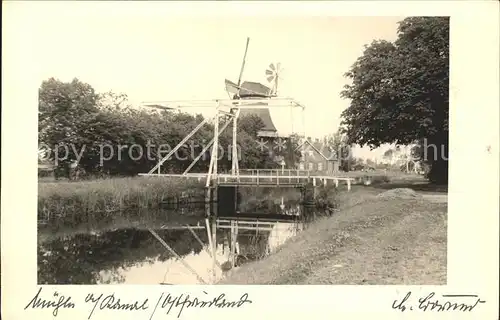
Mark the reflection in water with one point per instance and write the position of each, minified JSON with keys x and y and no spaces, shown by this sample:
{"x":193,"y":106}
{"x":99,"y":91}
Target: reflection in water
{"x":79,"y":259}
{"x":132,"y":256}
{"x":120,"y":249}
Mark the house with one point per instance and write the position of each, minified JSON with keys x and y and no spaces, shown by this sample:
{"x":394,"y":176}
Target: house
{"x":317,"y":157}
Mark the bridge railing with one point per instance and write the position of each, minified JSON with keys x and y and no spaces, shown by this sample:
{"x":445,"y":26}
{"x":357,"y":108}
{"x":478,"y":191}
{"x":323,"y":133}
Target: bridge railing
{"x":271,"y":178}
{"x":275,"y":172}
{"x":275,"y":178}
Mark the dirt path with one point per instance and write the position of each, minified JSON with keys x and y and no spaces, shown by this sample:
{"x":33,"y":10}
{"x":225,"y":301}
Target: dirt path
{"x":370,"y":241}
{"x":408,"y":248}
{"x":438,"y":197}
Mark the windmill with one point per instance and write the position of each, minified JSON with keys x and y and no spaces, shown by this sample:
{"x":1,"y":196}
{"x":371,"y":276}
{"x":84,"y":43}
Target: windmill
{"x":246,"y":89}
{"x":273,"y":73}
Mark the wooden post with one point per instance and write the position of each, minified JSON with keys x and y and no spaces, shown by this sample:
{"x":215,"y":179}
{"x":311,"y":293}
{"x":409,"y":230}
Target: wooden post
{"x":348,"y":184}
{"x":216,"y":141}
{"x":214,"y":248}
{"x":236,"y":245}
{"x":233,"y":244}
{"x":209,"y":234}
{"x":234,"y":164}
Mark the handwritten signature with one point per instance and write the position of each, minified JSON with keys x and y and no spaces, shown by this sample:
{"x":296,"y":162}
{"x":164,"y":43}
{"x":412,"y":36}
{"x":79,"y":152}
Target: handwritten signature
{"x":61,"y":302}
{"x":112,"y":302}
{"x":451,"y":302}
{"x":185,"y":301}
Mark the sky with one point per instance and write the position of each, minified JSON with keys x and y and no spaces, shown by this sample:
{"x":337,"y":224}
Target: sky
{"x":162,"y":57}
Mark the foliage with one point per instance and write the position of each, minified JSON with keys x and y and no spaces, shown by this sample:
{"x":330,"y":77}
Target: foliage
{"x":109,"y":137}
{"x":399,"y":91}
{"x":250,"y":156}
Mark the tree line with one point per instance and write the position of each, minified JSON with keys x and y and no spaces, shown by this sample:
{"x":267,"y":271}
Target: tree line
{"x":97,"y":126}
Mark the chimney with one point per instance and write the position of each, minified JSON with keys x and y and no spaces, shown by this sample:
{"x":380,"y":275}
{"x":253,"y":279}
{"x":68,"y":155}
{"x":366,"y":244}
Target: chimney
{"x":316,"y":140}
{"x":309,"y":139}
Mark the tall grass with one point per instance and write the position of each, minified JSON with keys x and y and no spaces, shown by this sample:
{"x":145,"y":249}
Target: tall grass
{"x":109,"y":203}
{"x":101,"y":198}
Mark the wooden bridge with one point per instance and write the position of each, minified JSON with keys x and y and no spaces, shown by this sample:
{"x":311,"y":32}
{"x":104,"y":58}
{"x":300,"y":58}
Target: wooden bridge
{"x":267,"y":178}
{"x":231,"y":218}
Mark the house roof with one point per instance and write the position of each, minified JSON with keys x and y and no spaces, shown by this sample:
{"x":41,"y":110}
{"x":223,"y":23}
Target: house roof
{"x":320,"y":148}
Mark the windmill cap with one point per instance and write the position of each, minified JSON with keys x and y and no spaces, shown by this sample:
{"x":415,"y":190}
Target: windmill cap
{"x":249,"y":88}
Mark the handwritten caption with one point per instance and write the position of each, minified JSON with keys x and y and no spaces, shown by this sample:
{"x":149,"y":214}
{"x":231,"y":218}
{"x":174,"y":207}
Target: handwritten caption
{"x":166,"y":302}
{"x":431,"y":302}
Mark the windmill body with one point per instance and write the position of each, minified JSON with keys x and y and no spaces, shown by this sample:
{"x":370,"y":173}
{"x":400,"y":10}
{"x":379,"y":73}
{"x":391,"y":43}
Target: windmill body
{"x":255,"y":90}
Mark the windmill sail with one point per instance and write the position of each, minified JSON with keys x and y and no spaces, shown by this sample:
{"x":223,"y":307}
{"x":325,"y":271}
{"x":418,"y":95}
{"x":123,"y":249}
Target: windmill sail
{"x":232,"y":87}
{"x":272,"y":76}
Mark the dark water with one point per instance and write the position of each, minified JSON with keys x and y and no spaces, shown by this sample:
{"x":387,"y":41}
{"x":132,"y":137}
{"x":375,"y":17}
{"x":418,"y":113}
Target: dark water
{"x":119,"y":253}
{"x":79,"y":259}
{"x":117,"y":247}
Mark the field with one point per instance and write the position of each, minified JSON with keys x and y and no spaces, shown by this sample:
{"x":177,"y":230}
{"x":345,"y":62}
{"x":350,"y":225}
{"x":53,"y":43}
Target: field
{"x":370,"y":240}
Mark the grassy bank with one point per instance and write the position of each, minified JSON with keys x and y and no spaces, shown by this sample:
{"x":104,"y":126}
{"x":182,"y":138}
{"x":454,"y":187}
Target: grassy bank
{"x":100,"y":198}
{"x":378,"y":177}
{"x":371,"y":240}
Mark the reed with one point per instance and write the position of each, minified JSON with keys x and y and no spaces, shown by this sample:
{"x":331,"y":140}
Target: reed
{"x":93,"y":204}
{"x":100,"y":198}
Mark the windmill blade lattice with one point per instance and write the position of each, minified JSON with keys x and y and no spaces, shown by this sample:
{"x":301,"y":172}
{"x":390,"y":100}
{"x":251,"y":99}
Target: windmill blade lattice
{"x":273,"y":74}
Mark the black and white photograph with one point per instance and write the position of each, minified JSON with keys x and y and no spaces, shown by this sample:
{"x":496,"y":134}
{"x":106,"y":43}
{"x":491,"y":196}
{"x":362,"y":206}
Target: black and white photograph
{"x":244,"y":150}
{"x":214,"y":159}
{"x":237,"y":159}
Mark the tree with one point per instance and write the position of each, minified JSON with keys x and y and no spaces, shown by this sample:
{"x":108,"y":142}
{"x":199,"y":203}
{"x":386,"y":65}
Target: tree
{"x":65,"y":108}
{"x":399,"y":92}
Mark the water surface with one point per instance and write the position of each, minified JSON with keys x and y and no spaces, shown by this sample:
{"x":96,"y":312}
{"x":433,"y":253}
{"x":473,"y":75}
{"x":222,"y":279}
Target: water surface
{"x":121,"y":250}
